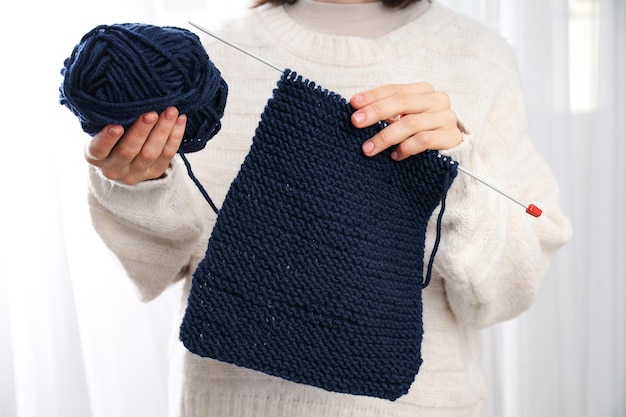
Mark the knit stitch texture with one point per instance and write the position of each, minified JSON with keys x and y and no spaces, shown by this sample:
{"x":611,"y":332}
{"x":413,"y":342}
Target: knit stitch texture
{"x":313,"y":272}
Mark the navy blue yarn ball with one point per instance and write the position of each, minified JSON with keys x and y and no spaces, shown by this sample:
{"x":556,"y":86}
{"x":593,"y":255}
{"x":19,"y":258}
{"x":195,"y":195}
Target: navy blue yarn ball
{"x":118,"y":72}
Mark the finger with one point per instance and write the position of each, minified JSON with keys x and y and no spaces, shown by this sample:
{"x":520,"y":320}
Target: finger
{"x":152,"y":148}
{"x":427,"y":139}
{"x":170,"y":149}
{"x":134,"y":138}
{"x":407,"y":127}
{"x":362,"y":99}
{"x":388,"y":108}
{"x":101,"y":145}
{"x":395,"y":118}
{"x":175,"y":138}
{"x":117,"y":164}
{"x":158,"y":149}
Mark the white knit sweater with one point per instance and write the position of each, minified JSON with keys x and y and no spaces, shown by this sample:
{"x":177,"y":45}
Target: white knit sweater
{"x":492,"y":258}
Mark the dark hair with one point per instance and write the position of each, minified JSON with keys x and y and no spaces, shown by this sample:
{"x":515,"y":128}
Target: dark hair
{"x":389,"y":3}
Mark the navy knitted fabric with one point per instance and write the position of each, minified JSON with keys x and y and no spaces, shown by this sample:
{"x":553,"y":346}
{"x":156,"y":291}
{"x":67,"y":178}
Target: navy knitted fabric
{"x":118,"y":72}
{"x":314,"y":269}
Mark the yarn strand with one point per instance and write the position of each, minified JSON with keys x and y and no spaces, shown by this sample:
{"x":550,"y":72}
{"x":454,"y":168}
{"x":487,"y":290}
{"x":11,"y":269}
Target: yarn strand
{"x":198,"y":183}
{"x":448,"y":182}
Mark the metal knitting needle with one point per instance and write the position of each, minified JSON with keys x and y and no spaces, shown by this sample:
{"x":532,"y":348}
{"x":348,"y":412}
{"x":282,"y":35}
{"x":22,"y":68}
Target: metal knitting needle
{"x":530,"y":208}
{"x":237,"y":47}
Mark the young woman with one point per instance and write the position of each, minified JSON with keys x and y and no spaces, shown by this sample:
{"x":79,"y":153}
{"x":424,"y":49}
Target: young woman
{"x":443,"y":82}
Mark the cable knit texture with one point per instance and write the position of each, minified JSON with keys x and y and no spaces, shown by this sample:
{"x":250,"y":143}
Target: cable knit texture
{"x":492,"y":258}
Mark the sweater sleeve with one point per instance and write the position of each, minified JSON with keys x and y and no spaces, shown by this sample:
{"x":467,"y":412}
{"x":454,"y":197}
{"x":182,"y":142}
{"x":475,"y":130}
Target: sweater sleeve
{"x":154,"y":228}
{"x":493,"y":257}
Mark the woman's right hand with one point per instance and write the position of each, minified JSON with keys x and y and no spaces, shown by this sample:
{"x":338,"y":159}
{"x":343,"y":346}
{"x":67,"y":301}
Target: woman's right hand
{"x":143,"y":152}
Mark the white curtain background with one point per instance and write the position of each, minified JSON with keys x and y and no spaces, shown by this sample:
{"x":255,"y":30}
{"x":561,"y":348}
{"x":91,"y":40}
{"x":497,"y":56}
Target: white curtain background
{"x":76,"y":342}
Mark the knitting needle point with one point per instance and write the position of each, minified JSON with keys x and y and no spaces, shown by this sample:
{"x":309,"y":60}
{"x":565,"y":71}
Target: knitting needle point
{"x":531,"y":209}
{"x":208,"y":32}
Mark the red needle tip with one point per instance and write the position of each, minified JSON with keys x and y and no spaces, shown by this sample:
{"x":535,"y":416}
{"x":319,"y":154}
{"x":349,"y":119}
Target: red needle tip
{"x":533,"y":210}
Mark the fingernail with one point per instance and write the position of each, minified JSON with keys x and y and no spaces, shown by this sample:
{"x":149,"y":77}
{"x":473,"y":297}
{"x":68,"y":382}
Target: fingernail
{"x":181,"y":119}
{"x":358,"y":98}
{"x":114,"y":131}
{"x":170,"y":114}
{"x":368,"y":147}
{"x":394,"y":155}
{"x":359,"y":117}
{"x":149,"y":118}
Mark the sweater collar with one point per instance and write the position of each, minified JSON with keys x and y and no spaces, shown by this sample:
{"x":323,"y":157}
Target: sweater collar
{"x":365,"y":20}
{"x":282,"y":31}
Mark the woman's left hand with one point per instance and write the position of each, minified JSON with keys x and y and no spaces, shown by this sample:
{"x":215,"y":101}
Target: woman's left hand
{"x":419,"y":117}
